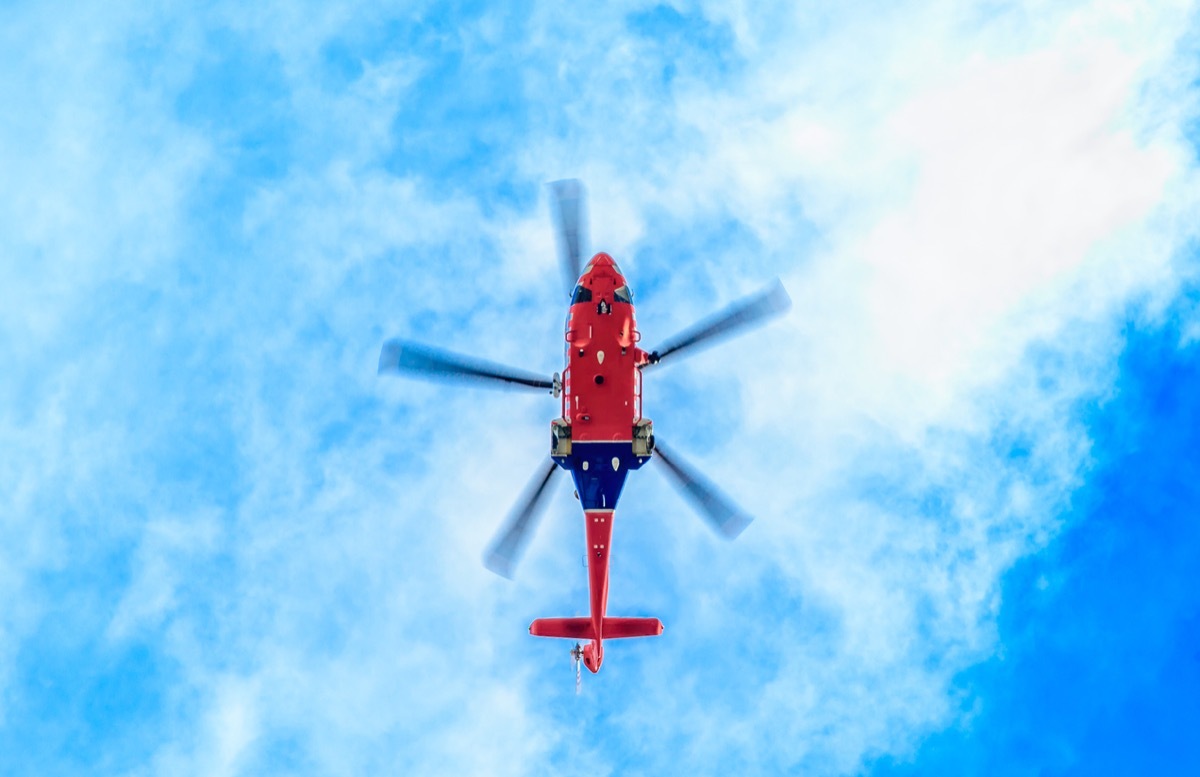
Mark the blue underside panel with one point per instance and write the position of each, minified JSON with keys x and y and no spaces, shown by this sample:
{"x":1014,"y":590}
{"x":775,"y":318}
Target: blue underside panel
{"x":599,"y":469}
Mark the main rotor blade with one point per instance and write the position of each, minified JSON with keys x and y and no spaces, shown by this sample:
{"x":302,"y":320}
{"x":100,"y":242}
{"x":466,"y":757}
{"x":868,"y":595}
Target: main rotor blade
{"x":570,"y":225}
{"x":402,"y":356}
{"x":716,"y":508}
{"x":741,"y":315}
{"x":509,"y":543}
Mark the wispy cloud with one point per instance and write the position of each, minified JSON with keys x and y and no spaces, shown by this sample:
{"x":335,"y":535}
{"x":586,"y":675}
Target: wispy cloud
{"x":223,"y":214}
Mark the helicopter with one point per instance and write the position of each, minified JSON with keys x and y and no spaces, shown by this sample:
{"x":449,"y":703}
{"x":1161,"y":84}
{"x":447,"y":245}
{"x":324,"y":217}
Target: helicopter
{"x":600,"y":435}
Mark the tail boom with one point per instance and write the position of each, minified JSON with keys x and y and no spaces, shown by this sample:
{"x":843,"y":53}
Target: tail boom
{"x":597,"y":626}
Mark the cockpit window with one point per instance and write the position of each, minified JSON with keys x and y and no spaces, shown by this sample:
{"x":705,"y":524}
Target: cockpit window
{"x":581,"y":295}
{"x":623,"y":294}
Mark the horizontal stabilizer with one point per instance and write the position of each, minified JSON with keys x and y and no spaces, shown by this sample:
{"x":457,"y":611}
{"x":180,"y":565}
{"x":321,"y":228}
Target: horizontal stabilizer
{"x":570,"y":628}
{"x":581,"y":628}
{"x":615,"y":628}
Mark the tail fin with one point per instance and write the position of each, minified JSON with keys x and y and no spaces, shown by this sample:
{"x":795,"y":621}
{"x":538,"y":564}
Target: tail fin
{"x":581,"y":628}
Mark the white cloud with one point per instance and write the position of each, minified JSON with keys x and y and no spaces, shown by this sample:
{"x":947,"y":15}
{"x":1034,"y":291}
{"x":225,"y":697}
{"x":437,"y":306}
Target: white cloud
{"x":962,"y":205}
{"x":987,"y":207}
{"x":167,"y":555}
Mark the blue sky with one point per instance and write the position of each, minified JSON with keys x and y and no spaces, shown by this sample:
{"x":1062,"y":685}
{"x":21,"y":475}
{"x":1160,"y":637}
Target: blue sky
{"x":227,"y":547}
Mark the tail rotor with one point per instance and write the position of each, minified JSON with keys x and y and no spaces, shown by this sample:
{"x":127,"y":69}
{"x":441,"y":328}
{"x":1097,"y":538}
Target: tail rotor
{"x":577,"y":658}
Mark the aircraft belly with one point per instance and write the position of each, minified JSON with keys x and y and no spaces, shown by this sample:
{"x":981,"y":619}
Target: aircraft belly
{"x":599,"y":470}
{"x":603,"y":380}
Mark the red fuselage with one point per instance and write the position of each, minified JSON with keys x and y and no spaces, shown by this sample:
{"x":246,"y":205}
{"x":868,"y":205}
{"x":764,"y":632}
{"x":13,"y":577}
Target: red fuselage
{"x":600,"y":438}
{"x":602,"y":383}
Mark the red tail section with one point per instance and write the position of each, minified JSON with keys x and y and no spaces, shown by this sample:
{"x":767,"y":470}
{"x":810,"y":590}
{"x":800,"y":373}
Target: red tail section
{"x":596,"y":628}
{"x":581,"y":628}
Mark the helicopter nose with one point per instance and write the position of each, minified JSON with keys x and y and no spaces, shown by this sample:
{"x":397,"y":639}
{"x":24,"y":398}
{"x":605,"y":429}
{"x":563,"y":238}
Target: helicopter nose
{"x":603,"y":260}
